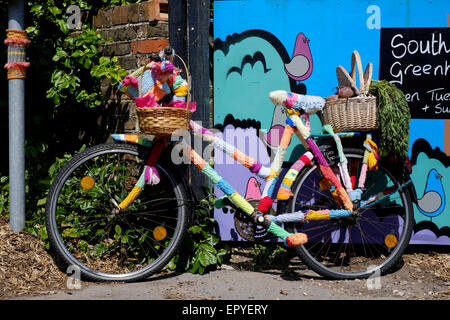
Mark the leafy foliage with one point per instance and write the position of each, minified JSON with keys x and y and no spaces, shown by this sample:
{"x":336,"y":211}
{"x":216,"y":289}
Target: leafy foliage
{"x":63,"y":90}
{"x":393,"y":116}
{"x":77,"y":66}
{"x":201,"y":250}
{"x":77,"y":58}
{"x":271,"y":256}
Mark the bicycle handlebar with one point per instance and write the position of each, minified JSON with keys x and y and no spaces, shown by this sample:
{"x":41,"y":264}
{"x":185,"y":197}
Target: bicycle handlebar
{"x":300,"y":103}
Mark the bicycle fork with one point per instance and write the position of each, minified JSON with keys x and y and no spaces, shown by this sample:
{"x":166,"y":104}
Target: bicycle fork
{"x":149,"y":171}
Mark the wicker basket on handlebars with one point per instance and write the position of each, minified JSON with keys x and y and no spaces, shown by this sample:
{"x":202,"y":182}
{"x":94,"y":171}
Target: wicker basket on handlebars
{"x":164,"y":121}
{"x":358,"y":113}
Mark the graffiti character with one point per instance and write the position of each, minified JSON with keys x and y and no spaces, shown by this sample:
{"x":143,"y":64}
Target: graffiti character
{"x":253,"y":190}
{"x":432,"y":202}
{"x":273,"y":137}
{"x":301,"y":65}
{"x":299,"y":68}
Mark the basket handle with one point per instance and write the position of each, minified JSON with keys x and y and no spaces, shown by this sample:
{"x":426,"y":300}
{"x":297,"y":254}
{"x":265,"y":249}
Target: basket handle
{"x":364,"y":78}
{"x":146,"y":67}
{"x":188,"y":79}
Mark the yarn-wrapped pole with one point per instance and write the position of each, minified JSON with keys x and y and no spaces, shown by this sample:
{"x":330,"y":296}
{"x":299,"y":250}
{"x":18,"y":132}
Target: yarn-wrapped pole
{"x":16,"y":66}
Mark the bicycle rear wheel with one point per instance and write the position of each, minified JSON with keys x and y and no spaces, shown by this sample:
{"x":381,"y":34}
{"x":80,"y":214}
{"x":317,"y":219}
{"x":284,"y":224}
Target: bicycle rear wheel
{"x":367,"y":243}
{"x":88,"y":231}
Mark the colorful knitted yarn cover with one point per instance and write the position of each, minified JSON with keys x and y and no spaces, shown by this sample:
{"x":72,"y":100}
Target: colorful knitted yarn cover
{"x":16,"y":41}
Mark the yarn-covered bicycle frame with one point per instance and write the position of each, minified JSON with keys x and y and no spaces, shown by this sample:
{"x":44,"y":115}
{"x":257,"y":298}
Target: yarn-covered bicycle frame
{"x":344,"y":194}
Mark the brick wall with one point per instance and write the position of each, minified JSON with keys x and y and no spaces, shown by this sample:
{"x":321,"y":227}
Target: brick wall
{"x":135,"y":31}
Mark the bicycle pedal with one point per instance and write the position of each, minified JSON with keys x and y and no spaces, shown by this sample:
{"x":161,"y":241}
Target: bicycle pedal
{"x":296,"y":239}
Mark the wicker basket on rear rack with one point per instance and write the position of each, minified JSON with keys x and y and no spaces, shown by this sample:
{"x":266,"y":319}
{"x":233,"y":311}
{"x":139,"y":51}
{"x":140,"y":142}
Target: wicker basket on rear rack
{"x":164,"y":121}
{"x":358,"y":113}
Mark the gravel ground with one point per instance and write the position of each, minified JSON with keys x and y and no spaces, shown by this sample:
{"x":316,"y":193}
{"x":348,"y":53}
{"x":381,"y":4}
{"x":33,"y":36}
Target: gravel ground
{"x":27,"y":271}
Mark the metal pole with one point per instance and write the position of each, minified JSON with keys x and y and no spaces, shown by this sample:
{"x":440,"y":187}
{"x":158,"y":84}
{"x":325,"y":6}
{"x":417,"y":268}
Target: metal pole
{"x":16,"y":91}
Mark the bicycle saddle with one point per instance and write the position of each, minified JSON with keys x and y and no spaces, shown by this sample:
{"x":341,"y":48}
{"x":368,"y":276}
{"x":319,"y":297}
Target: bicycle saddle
{"x":299,"y":102}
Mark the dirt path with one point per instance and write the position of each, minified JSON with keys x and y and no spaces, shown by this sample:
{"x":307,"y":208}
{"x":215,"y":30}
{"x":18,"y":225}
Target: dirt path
{"x":419,"y":278}
{"x":27,"y":271}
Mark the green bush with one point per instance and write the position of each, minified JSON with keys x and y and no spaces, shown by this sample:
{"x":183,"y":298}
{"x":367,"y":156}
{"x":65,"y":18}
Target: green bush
{"x":63,"y":85}
{"x":201,"y":250}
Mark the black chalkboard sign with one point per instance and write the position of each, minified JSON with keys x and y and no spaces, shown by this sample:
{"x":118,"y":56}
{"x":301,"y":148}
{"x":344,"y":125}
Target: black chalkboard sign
{"x":417,"y":60}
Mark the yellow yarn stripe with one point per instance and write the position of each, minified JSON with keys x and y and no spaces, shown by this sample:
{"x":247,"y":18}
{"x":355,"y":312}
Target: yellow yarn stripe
{"x":366,"y":157}
{"x":242,"y":203}
{"x":181,"y":91}
{"x":292,"y":112}
{"x":130,"y":198}
{"x":287,"y":181}
{"x":17,"y":74}
{"x":273,"y":174}
{"x":317,"y":215}
{"x":17,"y":34}
{"x":21,"y":53}
{"x":284,"y":193}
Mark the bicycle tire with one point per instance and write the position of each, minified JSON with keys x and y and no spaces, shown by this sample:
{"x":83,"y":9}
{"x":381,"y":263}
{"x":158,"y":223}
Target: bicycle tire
{"x":99,"y":257}
{"x":321,"y":262}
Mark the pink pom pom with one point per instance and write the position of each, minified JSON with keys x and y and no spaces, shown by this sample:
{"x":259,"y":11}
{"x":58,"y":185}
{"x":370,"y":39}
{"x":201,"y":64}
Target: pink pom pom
{"x":168,"y":68}
{"x":291,"y":100}
{"x":134,"y":82}
{"x":126,"y":82}
{"x":255,"y":167}
{"x":152,"y":176}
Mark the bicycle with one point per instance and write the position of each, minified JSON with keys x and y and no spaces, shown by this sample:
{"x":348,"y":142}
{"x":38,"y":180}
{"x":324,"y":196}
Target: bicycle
{"x":119,"y":211}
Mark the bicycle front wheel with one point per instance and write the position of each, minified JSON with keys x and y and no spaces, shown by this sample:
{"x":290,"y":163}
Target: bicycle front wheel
{"x":367,"y":243}
{"x":87,"y":229}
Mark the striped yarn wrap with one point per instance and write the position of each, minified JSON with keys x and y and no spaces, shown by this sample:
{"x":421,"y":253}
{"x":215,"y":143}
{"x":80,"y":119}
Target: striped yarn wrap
{"x":343,"y":169}
{"x":317,"y":215}
{"x":16,"y":64}
{"x":132,"y":138}
{"x":284,"y":192}
{"x":363,"y":174}
{"x":250,"y":163}
{"x":135,"y":192}
{"x":282,"y":149}
{"x":300,"y":216}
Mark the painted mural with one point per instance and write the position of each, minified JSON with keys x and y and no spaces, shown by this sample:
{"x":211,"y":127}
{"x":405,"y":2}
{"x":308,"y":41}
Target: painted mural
{"x":296,"y":45}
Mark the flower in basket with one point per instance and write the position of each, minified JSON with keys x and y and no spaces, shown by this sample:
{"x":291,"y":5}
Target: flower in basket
{"x":178,"y":86}
{"x":130,"y":81}
{"x":161,"y":70}
{"x":147,"y":101}
{"x":167,"y":67}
